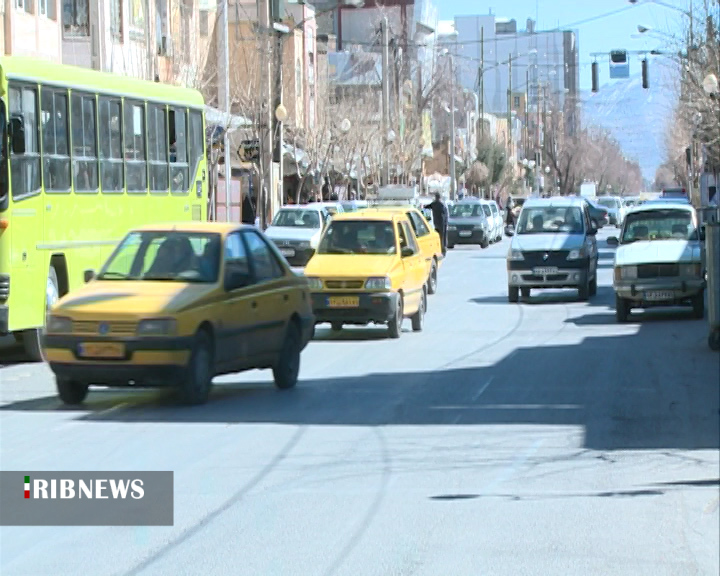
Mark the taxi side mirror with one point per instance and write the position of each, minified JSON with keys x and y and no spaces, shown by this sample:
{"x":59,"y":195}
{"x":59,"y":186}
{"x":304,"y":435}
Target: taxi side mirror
{"x":407,"y":251}
{"x":88,"y":275}
{"x":235,"y":279}
{"x":702,"y":233}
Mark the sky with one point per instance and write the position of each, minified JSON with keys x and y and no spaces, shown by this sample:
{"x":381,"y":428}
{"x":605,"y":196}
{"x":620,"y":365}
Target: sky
{"x":616,"y":31}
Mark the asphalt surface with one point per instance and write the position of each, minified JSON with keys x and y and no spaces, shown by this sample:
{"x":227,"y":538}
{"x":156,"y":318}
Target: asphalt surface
{"x":540,"y":438}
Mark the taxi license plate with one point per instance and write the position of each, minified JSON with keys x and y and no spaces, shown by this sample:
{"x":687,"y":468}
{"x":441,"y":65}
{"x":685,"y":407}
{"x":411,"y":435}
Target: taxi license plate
{"x":344,"y":302}
{"x":659,"y":295}
{"x":287,"y":252}
{"x":544,"y":271}
{"x":465,"y":233}
{"x":102,"y":350}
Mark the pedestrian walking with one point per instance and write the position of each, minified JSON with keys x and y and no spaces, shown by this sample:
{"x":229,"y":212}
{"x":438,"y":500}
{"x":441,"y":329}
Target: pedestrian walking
{"x":440,"y":219}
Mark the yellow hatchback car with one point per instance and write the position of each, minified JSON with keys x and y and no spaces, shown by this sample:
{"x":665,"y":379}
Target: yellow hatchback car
{"x":368,"y":268}
{"x":427,"y":238}
{"x":176,"y":305}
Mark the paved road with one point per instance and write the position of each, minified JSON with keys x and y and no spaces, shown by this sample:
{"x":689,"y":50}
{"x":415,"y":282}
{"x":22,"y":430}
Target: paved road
{"x":539,"y":438}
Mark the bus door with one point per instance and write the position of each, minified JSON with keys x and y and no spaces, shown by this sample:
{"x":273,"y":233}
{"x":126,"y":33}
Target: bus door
{"x":28,"y":277}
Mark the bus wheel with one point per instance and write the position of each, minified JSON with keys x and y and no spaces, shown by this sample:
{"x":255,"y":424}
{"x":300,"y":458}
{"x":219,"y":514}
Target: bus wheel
{"x":32,"y":339}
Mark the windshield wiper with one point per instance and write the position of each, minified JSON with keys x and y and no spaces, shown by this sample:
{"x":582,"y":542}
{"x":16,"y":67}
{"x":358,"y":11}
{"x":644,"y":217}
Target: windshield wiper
{"x":337,"y":251}
{"x":160,"y":277}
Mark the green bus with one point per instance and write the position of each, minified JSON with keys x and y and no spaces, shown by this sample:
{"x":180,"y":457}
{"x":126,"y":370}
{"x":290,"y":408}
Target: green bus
{"x":85,"y":156}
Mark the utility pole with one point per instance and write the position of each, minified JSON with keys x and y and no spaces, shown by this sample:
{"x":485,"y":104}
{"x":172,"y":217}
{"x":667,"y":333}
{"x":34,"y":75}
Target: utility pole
{"x":453,"y":182}
{"x":509,"y":101}
{"x":223,"y":66}
{"x":148,"y":42}
{"x":538,"y":155}
{"x":265,"y":113}
{"x":385,"y":33}
{"x":482,"y":83}
{"x":526,"y":142}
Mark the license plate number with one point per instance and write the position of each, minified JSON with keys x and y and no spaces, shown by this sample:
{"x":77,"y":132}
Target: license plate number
{"x":344,"y":302}
{"x":465,"y":233}
{"x":102,"y":350}
{"x":545,"y":271}
{"x":659,"y":295}
{"x":287,"y":251}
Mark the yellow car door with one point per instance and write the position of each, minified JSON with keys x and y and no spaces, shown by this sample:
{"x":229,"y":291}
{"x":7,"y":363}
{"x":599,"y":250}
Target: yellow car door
{"x":234,"y":316}
{"x":414,"y":266}
{"x":429,"y":242}
{"x":271,"y":301}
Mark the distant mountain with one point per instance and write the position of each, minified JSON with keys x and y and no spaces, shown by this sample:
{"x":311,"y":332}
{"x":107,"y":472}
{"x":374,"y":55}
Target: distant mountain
{"x":634,"y":116}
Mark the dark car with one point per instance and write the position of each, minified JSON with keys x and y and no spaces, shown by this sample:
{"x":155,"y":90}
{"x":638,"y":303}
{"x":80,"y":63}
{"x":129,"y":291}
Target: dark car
{"x":468,"y":224}
{"x":598,"y":214}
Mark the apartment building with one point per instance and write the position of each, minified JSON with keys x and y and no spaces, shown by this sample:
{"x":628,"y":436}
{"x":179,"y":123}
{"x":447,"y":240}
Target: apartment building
{"x":32,"y":28}
{"x":165,"y":40}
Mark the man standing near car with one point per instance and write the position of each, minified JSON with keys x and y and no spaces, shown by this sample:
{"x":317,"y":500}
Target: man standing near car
{"x":440,"y":219}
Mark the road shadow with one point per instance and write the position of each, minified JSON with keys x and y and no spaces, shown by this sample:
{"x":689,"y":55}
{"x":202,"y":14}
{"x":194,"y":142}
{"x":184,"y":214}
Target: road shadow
{"x":649,"y":316}
{"x":13,"y":353}
{"x":323,"y":333}
{"x":625,"y":392}
{"x":545,"y":297}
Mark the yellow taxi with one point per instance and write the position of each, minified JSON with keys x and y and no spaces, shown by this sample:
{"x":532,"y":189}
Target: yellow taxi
{"x":369,"y":268}
{"x":427,"y":238}
{"x":176,"y":305}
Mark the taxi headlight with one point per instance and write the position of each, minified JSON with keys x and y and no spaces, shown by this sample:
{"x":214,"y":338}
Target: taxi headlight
{"x":382,"y":283}
{"x":515,"y":255}
{"x":58,"y":325}
{"x":157,"y":327}
{"x":315,"y":283}
{"x":577,"y":254}
{"x":303,"y":245}
{"x":451,"y":227}
{"x":626,"y":273}
{"x":694,"y":270}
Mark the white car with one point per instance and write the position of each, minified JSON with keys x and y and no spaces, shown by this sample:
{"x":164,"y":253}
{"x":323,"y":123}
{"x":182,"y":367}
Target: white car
{"x":296,"y":231}
{"x":496,"y":220}
{"x":615,"y":207}
{"x":659,"y":259}
{"x":332,"y":208}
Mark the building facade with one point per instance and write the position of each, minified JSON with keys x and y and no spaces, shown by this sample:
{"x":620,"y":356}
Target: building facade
{"x":32,"y":28}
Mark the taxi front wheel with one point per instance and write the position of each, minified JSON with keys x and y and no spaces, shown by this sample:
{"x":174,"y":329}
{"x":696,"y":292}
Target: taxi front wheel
{"x":196,"y":385}
{"x":71,"y":392}
{"x":395,"y":324}
{"x":287,"y":366}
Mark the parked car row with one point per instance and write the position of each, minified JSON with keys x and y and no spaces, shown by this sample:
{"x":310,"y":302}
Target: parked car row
{"x":474,"y":221}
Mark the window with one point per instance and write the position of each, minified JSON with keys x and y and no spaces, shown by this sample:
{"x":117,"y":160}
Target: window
{"x":27,"y":5}
{"x":135,"y":159}
{"x":235,"y":258}
{"x":196,"y":138}
{"x":516,"y":101}
{"x":116,"y":19}
{"x":203,"y":23}
{"x":84,"y":143}
{"x":407,"y":238}
{"x":418,"y":225}
{"x":137,"y":16}
{"x":111,"y":155}
{"x":179,"y":178}
{"x":76,"y":21}
{"x":55,"y":140}
{"x":265,"y":264}
{"x":158,"y":148}
{"x":47,"y":9}
{"x":25,"y":168}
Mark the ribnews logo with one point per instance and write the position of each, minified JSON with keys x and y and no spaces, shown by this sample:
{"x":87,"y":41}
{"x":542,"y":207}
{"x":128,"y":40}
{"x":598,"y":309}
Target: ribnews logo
{"x":86,"y":498}
{"x":66,"y":488}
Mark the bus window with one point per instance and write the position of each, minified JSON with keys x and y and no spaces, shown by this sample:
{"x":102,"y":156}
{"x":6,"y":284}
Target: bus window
{"x":84,"y":143}
{"x":111,"y":158}
{"x":158,"y":148}
{"x":196,"y":140}
{"x":135,"y":159}
{"x":178,"y":150}
{"x":25,"y":168}
{"x":55,"y":140}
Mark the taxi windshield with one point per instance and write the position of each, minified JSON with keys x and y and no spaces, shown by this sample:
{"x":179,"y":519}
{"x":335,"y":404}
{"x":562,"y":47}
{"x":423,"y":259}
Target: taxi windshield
{"x":550,"y":220}
{"x":469,"y":210}
{"x":165,"y":256}
{"x":668,"y":224}
{"x":359,"y":237}
{"x":297,"y":219}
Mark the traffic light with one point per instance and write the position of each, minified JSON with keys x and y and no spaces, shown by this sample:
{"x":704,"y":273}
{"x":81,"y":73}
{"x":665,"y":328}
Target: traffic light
{"x":645,"y":82}
{"x":595,"y":77}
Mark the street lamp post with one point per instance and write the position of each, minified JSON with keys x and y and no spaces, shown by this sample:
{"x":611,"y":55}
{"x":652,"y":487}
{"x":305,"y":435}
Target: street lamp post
{"x":453,"y":176}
